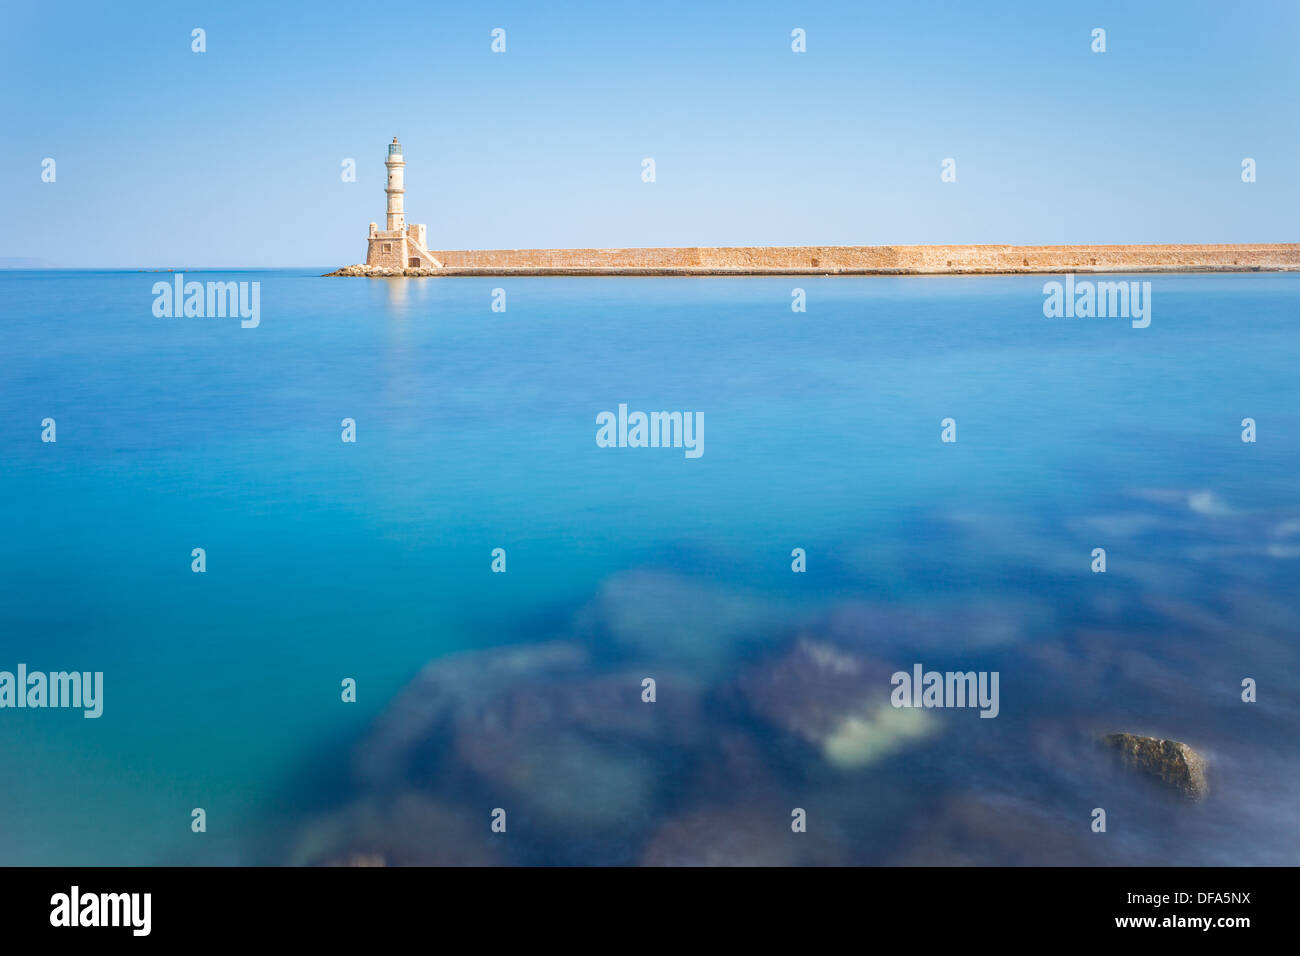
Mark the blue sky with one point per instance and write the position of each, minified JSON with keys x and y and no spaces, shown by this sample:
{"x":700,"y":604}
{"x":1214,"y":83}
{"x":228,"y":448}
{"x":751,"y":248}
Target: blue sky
{"x":168,"y":158}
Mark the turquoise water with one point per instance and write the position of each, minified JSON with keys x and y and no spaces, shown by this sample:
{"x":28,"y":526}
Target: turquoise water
{"x":476,"y":430}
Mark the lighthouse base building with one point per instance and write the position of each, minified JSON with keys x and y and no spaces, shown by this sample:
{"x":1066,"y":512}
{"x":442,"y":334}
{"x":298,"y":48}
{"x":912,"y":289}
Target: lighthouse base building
{"x":399,"y":246}
{"x":394,"y":249}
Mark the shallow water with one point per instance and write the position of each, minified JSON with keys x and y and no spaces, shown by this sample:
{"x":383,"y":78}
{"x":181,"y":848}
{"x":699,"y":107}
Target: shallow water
{"x":476,"y":430}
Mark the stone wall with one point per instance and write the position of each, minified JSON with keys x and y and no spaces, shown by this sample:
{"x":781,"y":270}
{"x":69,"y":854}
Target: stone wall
{"x":393,"y":258}
{"x":834,"y":260}
{"x":402,"y":248}
{"x":921,"y":260}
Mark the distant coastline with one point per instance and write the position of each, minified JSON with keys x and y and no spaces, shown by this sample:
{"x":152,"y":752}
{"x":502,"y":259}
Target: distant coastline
{"x":849,"y":260}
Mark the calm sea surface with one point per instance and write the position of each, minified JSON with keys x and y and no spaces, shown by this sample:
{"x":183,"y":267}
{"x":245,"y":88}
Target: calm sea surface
{"x":476,"y":430}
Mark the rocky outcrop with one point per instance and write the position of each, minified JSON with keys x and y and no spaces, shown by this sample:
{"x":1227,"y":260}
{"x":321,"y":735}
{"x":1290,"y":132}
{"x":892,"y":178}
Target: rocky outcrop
{"x":1171,"y":762}
{"x":384,"y":272}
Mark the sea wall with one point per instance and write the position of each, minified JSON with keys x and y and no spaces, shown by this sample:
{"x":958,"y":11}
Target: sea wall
{"x":862,"y":260}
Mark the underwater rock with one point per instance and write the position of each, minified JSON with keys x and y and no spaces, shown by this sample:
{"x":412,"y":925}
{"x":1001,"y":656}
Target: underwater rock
{"x":574,"y":783}
{"x":610,"y":706}
{"x":669,"y":619}
{"x":528,"y":727}
{"x":730,"y":836}
{"x":733,"y":760}
{"x":358,"y":859}
{"x":721,"y":836}
{"x":584,"y":753}
{"x":442,"y":690}
{"x":1172,"y":762}
{"x":995,"y":830}
{"x":835,"y":701}
{"x":404,"y":829}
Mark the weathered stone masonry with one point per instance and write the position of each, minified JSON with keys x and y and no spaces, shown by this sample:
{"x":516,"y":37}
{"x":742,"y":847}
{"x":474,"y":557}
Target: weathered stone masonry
{"x":850,"y":260}
{"x":874,"y":260}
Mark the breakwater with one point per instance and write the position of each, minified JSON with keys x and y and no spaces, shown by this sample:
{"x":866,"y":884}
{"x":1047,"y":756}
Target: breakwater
{"x":853,"y":260}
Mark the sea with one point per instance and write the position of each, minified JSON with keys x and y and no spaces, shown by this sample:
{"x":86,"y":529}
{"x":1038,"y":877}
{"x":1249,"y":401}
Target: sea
{"x":476,"y":634}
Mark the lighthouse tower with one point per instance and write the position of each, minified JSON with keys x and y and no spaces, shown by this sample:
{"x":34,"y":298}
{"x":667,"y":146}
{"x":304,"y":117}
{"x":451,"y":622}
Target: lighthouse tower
{"x":396,"y":187}
{"x":398,"y":246}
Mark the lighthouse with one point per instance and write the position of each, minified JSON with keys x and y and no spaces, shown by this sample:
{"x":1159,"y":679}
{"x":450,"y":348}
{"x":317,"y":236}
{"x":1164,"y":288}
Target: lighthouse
{"x":396,"y":187}
{"x":397,"y":245}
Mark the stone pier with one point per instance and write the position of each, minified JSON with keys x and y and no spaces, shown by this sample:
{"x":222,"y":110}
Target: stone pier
{"x":846,"y":260}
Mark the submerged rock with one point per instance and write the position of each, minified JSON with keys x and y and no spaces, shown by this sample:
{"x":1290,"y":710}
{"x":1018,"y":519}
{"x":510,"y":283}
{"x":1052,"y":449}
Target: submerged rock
{"x":665,"y":619}
{"x":574,"y":783}
{"x":835,"y":701}
{"x":447,"y":688}
{"x":405,"y":829}
{"x":359,"y":859}
{"x":725,"y":836}
{"x":1172,"y":762}
{"x":530,"y":728}
{"x":584,"y":753}
{"x":989,"y":829}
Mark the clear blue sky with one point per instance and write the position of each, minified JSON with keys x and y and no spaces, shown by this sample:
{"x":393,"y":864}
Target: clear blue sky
{"x":232,"y":157}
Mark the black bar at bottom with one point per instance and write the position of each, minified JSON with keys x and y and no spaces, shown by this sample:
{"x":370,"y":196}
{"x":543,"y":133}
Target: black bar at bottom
{"x":335,"y":905}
